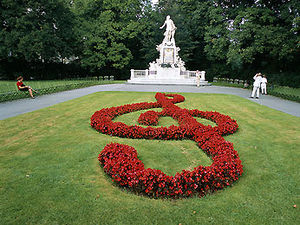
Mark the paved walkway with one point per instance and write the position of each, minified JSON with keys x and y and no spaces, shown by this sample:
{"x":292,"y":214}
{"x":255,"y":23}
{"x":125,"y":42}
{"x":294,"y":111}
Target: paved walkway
{"x":17,"y":107}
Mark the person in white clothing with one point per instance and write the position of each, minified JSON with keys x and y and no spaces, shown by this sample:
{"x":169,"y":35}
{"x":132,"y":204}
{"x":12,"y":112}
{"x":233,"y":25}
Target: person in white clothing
{"x":263,"y":85}
{"x":198,"y":78}
{"x":256,"y":85}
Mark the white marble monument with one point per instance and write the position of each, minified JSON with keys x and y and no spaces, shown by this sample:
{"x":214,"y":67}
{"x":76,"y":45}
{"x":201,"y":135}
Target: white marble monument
{"x":169,"y":67}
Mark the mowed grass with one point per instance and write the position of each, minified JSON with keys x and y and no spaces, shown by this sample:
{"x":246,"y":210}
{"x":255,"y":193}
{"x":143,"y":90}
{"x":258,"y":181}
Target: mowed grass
{"x":50,"y":173}
{"x":10,"y":86}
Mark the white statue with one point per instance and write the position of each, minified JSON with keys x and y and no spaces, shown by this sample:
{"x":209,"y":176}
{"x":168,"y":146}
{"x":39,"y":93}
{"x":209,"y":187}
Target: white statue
{"x":181,"y":64}
{"x":168,"y":68}
{"x":158,"y":47}
{"x":153,"y":66}
{"x":202,"y":76}
{"x":170,"y":29}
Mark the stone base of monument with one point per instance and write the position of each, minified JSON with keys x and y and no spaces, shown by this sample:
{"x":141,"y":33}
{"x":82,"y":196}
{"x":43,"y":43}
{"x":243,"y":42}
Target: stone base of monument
{"x":166,"y":82}
{"x":175,"y":83}
{"x":190,"y":82}
{"x":165,"y":76}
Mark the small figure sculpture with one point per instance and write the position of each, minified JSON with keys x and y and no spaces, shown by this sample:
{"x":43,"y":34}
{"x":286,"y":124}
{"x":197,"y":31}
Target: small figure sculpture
{"x":170,"y":29}
{"x":152,"y":66}
{"x":202,"y":76}
{"x":158,"y":47}
{"x":181,"y":64}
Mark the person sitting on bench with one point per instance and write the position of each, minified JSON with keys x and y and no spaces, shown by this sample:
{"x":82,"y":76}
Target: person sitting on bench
{"x":23,"y":87}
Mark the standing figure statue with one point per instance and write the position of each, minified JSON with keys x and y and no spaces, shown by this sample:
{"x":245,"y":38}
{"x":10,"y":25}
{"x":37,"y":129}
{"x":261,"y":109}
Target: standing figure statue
{"x":170,"y":29}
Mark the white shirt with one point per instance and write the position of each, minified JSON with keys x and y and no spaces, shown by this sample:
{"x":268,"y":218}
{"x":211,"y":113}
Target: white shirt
{"x":264,"y":80}
{"x":257,"y":81}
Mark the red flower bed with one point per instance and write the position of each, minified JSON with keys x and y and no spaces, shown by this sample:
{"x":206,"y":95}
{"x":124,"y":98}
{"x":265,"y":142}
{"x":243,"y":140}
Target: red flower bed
{"x":122,"y":164}
{"x":149,"y":118}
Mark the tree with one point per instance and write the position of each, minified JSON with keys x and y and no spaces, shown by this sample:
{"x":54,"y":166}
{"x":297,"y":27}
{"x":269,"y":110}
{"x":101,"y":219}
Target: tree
{"x":260,"y":36}
{"x":106,"y":29}
{"x":35,"y":30}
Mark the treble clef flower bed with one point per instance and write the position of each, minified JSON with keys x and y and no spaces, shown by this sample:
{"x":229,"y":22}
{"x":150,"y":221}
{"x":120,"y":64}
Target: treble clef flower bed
{"x":122,"y":164}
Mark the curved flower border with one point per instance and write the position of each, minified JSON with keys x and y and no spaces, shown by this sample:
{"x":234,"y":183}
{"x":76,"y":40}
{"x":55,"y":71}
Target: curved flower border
{"x":122,"y":164}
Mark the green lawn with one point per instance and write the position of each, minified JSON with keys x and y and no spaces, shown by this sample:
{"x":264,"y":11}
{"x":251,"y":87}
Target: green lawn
{"x":50,"y":173}
{"x":9,"y":90}
{"x":8,"y":86}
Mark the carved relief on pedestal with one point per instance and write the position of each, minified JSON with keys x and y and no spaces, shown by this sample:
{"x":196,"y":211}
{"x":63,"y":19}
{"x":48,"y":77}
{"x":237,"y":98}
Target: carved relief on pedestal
{"x":168,"y":56}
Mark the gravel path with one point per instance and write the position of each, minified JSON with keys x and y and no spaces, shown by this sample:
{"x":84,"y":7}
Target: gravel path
{"x":17,"y":107}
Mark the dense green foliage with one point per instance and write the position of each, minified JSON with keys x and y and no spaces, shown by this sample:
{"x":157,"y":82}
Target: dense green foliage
{"x":284,"y":92}
{"x":288,"y":93}
{"x":50,"y":173}
{"x":62,"y":38}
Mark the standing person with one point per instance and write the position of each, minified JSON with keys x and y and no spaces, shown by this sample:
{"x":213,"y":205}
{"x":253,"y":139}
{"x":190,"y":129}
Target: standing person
{"x":23,"y":87}
{"x":198,"y":78}
{"x":263,"y":85}
{"x":246,"y":84}
{"x":256,"y":85}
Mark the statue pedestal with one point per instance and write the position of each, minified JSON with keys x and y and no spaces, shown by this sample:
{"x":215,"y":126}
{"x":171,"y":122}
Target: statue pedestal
{"x":190,"y":82}
{"x":165,"y":76}
{"x":168,"y":73}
